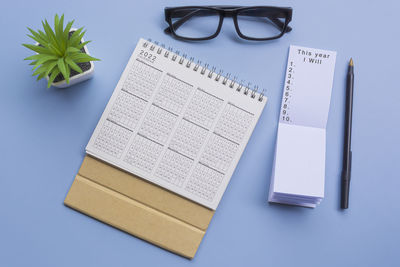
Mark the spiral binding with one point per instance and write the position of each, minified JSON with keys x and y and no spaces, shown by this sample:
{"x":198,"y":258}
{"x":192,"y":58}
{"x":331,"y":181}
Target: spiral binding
{"x":205,"y":70}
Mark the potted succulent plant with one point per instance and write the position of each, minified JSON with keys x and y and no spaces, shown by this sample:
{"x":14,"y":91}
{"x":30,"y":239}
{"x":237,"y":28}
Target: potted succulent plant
{"x":61,"y":54}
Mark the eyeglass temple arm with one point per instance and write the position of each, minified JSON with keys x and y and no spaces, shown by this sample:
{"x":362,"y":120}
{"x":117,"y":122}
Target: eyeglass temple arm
{"x":279,"y":24}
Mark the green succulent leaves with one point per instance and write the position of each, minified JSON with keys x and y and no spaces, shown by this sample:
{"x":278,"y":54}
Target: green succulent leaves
{"x":57,"y":50}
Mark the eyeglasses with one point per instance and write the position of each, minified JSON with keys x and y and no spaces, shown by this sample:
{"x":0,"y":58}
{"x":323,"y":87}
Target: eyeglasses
{"x":258,"y":23}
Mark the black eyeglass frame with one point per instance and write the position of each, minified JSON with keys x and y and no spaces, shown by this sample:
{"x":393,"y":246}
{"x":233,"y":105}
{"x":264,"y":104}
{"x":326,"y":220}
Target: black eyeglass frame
{"x":230,"y":11}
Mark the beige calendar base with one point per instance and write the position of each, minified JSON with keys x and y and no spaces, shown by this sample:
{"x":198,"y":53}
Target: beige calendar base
{"x":138,"y":207}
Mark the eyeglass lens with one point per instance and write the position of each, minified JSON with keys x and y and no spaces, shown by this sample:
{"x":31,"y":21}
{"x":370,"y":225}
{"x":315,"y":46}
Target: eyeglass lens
{"x":195,"y":22}
{"x":260,"y":23}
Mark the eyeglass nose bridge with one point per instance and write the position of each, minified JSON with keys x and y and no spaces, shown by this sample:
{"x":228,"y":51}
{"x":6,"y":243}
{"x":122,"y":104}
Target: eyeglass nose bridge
{"x":228,"y":12}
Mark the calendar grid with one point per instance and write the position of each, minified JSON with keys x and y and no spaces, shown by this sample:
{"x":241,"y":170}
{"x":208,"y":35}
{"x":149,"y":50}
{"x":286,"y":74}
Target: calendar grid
{"x":116,"y":123}
{"x":204,"y":182}
{"x":218,"y":153}
{"x":233,"y":123}
{"x":127,"y":110}
{"x":203,"y":108}
{"x":125,"y":91}
{"x":204,"y":91}
{"x":173,"y":94}
{"x":229,"y":103}
{"x":174,"y":167}
{"x":158,"y":124}
{"x":182,"y":132}
{"x":188,"y":139}
{"x":226,"y":138}
{"x":141,"y":61}
{"x":142,"y":79}
{"x":172,"y":76}
{"x":176,"y":151}
{"x":198,"y":125}
{"x":149,"y":139}
{"x":143,"y":153}
{"x":205,"y":165}
{"x":112,"y":138}
{"x":165,"y":109}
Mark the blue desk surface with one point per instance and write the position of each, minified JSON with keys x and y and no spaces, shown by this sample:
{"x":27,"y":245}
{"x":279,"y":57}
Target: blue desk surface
{"x":44,"y":132}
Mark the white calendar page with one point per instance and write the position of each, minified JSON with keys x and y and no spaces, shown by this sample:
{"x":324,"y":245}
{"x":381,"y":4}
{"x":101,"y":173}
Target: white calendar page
{"x":168,"y":123}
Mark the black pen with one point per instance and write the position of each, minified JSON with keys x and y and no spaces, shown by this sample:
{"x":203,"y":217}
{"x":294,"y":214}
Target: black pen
{"x":346,"y":167}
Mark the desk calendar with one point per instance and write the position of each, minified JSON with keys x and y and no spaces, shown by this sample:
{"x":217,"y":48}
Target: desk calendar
{"x":299,"y":166}
{"x":177,"y":124}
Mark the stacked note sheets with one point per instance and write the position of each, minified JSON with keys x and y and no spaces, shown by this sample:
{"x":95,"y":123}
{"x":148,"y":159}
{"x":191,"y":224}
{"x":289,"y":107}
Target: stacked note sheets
{"x":298,"y":175}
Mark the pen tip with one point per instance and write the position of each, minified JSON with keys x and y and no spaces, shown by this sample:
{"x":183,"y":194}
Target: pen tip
{"x":351,"y":62}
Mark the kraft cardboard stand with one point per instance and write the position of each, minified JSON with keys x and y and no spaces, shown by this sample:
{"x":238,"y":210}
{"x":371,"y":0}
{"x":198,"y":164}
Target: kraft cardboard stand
{"x":138,"y":207}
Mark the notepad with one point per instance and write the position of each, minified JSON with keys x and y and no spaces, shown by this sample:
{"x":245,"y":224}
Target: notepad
{"x":177,"y":123}
{"x":298,"y":174}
